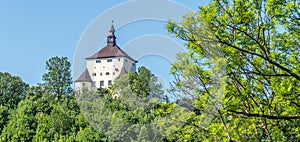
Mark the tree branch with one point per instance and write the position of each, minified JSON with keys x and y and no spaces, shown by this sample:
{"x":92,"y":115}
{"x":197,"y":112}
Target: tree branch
{"x":261,"y":56}
{"x":284,"y":117}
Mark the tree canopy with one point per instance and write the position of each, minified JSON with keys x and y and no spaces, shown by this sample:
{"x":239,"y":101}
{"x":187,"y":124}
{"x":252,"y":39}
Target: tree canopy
{"x":58,"y":79}
{"x":258,"y":41}
{"x":12,"y":89}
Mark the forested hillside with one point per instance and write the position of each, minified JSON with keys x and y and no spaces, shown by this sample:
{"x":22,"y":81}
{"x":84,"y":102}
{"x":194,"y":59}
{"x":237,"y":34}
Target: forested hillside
{"x":239,"y":81}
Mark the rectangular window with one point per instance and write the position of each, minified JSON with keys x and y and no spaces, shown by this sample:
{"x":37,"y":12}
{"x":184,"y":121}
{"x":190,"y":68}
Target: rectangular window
{"x":109,"y":60}
{"x":107,"y":73}
{"x":94,"y":74}
{"x":109,"y":82}
{"x":119,"y":59}
{"x":98,"y":61}
{"x":101,"y":83}
{"x":83,"y":84}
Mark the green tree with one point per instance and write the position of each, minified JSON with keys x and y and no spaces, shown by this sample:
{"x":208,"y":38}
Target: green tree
{"x":42,"y":117}
{"x":131,"y":110}
{"x":259,"y":42}
{"x":91,"y":135}
{"x":22,"y":123}
{"x":56,"y":119}
{"x":143,"y":84}
{"x":12,"y":90}
{"x":58,"y":79}
{"x":3,"y":116}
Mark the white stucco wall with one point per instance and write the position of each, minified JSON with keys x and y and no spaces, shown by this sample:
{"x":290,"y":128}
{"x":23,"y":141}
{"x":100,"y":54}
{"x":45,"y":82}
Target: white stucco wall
{"x":112,"y":68}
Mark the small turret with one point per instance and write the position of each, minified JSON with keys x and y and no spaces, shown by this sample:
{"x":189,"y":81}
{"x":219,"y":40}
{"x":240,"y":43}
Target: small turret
{"x":111,"y":38}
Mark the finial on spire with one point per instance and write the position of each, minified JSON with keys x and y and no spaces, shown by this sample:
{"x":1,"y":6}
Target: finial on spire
{"x":112,"y":28}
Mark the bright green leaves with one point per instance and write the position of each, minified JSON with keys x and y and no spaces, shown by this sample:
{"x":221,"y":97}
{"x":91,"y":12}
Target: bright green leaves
{"x":143,"y":84}
{"x":259,"y":43}
{"x":22,"y":123}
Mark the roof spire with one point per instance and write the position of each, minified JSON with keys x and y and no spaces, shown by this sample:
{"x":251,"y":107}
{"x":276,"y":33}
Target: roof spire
{"x":111,"y":38}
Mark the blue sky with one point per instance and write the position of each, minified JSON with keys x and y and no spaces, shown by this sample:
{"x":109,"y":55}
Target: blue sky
{"x":33,"y":31}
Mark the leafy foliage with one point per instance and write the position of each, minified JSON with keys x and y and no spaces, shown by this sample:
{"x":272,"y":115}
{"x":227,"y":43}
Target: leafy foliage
{"x":58,"y":79}
{"x":143,"y":84}
{"x":12,"y":90}
{"x":130,"y":110}
{"x":258,"y":41}
{"x":239,"y":81}
{"x":35,"y":114}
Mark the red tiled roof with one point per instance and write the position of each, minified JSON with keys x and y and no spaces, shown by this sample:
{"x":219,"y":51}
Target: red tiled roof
{"x":110,"y":50}
{"x":84,"y":77}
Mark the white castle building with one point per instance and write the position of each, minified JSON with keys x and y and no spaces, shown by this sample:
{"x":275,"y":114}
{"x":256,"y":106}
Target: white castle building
{"x":106,"y":65}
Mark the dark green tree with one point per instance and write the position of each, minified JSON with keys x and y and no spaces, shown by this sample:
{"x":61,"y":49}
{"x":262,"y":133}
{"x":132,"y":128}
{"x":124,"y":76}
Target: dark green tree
{"x":12,"y":90}
{"x":58,"y":79}
{"x":3,"y":116}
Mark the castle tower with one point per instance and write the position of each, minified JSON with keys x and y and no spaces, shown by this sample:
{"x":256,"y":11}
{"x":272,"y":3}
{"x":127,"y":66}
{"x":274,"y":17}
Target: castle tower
{"x":106,"y":65}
